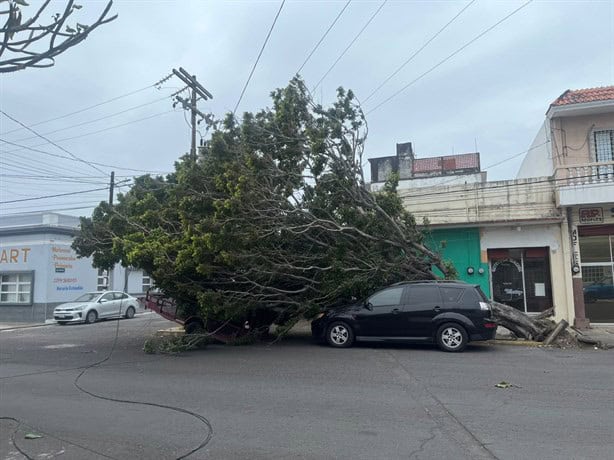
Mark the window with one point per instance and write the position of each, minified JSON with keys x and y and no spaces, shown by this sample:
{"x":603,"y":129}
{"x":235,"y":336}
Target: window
{"x":16,"y":288}
{"x":604,"y":152}
{"x":109,"y":297}
{"x":604,"y":145}
{"x":103,"y":280}
{"x":388,"y":297}
{"x":147,"y":284}
{"x":451,"y":294}
{"x":420,"y":295}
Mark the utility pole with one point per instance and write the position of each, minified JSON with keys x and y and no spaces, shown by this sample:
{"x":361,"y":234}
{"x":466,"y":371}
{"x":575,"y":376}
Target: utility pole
{"x":112,"y":188}
{"x":197,"y":92}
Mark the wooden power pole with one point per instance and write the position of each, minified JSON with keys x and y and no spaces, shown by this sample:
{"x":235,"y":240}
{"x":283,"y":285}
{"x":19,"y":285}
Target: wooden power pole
{"x":197,"y":92}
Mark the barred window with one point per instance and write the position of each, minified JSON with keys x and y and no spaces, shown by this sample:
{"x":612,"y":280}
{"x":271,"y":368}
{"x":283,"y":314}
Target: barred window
{"x":604,"y":146}
{"x":16,"y":288}
{"x":147,"y":282}
{"x":102,"y":283}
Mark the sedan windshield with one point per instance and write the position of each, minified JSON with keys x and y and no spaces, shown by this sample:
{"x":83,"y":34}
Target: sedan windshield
{"x":87,"y":297}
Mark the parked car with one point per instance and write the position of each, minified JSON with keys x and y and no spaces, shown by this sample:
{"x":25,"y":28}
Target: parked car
{"x":91,"y":306}
{"x":448,"y":313}
{"x":602,"y":289}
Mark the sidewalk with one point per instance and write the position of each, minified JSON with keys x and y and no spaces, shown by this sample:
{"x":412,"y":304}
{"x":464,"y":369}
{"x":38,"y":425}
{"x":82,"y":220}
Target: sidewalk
{"x":603,"y":337}
{"x":11,"y":326}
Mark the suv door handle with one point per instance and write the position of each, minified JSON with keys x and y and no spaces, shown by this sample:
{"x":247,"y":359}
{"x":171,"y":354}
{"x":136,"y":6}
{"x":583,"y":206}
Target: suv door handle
{"x":437,"y":309}
{"x":395,"y":311}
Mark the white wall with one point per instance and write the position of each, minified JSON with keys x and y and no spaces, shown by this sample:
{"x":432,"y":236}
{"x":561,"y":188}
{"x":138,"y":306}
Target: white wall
{"x":409,"y":184}
{"x":528,"y":236}
{"x":538,"y":160}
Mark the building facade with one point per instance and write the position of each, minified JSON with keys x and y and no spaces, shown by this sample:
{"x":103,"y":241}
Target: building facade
{"x":576,"y":147}
{"x":39,"y":269}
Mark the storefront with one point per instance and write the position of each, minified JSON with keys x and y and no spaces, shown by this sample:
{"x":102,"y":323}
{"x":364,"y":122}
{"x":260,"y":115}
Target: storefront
{"x":520,"y":277}
{"x":524,"y":262}
{"x":39,"y":269}
{"x":596,"y":243}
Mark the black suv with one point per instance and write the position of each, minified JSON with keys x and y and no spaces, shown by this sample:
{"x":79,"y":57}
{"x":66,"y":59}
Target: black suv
{"x":449,"y":313}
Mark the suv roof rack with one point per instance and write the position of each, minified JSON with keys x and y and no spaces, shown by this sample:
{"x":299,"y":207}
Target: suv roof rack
{"x":431,"y":281}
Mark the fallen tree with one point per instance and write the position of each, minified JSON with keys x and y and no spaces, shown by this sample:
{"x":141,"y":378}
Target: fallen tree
{"x":538,"y":328}
{"x":272,"y":222}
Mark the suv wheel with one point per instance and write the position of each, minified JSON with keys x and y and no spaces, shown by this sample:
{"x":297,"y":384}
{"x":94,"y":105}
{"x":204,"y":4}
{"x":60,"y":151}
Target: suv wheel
{"x":452,"y":337}
{"x":340,"y":335}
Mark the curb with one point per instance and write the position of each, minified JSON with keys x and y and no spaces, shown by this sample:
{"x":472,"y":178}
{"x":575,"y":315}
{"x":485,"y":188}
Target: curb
{"x":14,"y":328}
{"x":522,"y":343}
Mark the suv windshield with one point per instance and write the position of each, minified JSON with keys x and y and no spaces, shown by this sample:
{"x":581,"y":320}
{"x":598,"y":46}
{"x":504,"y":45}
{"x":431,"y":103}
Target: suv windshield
{"x":87,"y":297}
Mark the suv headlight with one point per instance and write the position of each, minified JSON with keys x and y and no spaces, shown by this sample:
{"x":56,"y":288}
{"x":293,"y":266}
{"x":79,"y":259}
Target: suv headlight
{"x":320,"y":315}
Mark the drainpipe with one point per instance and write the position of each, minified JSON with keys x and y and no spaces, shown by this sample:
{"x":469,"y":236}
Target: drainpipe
{"x":580,"y":320}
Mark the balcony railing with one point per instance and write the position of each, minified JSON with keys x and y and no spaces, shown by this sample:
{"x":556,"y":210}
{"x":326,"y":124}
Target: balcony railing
{"x":589,"y":173}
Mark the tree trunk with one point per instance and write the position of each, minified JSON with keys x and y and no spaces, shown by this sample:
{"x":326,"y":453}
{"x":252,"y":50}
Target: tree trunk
{"x":521,"y":324}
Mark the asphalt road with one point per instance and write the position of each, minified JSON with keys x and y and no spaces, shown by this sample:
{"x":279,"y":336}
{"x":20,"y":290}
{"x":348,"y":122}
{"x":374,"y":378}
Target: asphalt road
{"x":297,"y":400}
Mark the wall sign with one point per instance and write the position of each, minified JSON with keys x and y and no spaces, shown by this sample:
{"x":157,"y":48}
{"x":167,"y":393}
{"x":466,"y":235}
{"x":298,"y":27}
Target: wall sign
{"x":591,"y":215}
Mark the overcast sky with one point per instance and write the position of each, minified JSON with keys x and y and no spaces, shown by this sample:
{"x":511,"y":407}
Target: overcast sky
{"x":493,"y":93}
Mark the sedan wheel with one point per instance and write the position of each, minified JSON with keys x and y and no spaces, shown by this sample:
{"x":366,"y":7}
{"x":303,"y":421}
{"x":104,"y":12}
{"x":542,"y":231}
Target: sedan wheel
{"x":129,"y":313}
{"x":91,"y":317}
{"x":452,"y":337}
{"x":340,"y":335}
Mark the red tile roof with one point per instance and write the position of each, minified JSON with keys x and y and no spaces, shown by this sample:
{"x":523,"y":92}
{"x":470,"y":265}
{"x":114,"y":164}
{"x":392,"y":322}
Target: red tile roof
{"x":579,"y":96}
{"x":447,"y":163}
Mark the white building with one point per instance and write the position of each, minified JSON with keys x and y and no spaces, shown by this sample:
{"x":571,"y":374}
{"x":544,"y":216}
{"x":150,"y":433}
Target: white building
{"x":39,"y":269}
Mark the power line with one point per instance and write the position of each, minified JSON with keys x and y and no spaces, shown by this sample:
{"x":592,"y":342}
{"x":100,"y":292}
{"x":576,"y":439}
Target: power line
{"x":350,"y":45}
{"x":25,"y":147}
{"x":324,"y":36}
{"x":402,"y":66}
{"x":259,"y":55}
{"x":55,"y":196}
{"x":96,"y":132}
{"x":83,"y":110}
{"x":449,"y":57}
{"x":51,"y":142}
{"x":97,"y":119}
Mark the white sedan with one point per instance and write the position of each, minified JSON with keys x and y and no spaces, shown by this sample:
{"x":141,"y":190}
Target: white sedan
{"x":92,"y":306}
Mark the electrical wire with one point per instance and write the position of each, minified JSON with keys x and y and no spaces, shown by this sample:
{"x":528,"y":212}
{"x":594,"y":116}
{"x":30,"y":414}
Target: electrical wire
{"x":477,"y":37}
{"x":129,"y":109}
{"x":411,"y":58}
{"x":95,"y":132}
{"x":54,"y":196}
{"x":82,"y":110}
{"x":350,"y":45}
{"x":324,"y":36}
{"x":50,"y":141}
{"x":25,"y":147}
{"x":259,"y":55}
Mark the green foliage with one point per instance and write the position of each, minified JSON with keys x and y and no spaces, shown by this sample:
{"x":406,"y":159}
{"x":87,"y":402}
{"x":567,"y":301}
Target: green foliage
{"x":272,"y":222}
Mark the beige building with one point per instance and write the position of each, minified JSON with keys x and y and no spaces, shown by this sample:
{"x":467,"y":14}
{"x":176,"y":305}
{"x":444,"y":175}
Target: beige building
{"x":576,"y":147}
{"x":545,"y":239}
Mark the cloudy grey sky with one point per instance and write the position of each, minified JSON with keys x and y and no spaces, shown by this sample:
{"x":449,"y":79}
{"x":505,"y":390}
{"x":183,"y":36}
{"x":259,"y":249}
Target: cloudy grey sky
{"x":493,"y":93}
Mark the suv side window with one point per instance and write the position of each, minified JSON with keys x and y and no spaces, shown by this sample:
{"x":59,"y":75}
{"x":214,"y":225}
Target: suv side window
{"x":471,"y":298}
{"x":421,"y":295}
{"x":387,"y":297}
{"x":451,"y":294}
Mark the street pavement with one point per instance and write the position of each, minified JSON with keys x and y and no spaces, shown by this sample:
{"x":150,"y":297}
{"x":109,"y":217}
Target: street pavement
{"x":296,"y":399}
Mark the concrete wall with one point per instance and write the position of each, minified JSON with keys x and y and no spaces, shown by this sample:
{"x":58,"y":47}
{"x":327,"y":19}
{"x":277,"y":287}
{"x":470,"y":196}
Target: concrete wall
{"x":538,"y":160}
{"x":572,"y":142}
{"x":491,"y":202}
{"x":409,"y":184}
